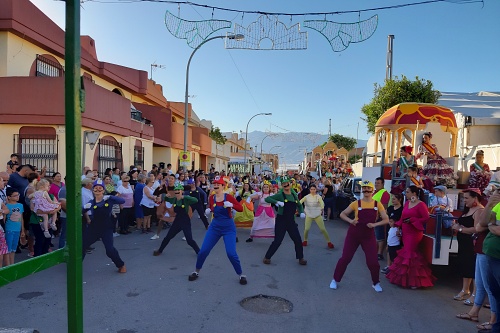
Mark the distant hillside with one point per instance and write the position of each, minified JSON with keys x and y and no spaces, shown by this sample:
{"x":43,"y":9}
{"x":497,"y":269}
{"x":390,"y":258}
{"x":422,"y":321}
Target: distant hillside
{"x":292,"y":144}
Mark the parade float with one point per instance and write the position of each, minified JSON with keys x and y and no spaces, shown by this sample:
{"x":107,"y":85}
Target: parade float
{"x":457,"y":136}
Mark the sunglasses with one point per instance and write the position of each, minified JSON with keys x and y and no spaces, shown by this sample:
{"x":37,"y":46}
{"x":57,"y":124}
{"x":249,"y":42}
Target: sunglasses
{"x":98,"y":189}
{"x":286,"y":185}
{"x":367,"y":191}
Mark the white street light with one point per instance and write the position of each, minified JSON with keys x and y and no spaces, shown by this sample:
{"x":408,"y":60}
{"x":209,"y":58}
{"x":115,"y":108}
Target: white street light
{"x":246,"y":134}
{"x":237,"y":37}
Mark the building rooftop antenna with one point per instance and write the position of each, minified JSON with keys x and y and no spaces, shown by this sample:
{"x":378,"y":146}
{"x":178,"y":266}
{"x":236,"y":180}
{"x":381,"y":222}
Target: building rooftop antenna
{"x":154,"y":65}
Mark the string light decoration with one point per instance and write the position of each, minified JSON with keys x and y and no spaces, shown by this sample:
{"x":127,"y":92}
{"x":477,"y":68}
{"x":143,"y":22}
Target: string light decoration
{"x":272,"y":29}
{"x":194,"y":32}
{"x":340,"y":35}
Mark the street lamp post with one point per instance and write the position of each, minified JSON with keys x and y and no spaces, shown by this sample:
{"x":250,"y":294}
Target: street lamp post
{"x":272,"y":134}
{"x":246,"y":134}
{"x":269,"y":153}
{"x":272,"y":148}
{"x":186,"y":114}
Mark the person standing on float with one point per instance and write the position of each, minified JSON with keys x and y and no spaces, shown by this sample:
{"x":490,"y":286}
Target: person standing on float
{"x":287,"y":202}
{"x":360,"y":232}
{"x":222,"y":225}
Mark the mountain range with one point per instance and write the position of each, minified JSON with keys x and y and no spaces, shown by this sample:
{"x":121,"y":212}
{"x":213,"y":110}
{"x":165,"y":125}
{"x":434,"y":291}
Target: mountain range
{"x":290,"y":146}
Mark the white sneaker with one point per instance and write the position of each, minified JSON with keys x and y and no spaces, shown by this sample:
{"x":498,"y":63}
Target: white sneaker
{"x":183,"y":238}
{"x":115,"y":234}
{"x":377,"y":287}
{"x":155,"y":237}
{"x":333,"y":284}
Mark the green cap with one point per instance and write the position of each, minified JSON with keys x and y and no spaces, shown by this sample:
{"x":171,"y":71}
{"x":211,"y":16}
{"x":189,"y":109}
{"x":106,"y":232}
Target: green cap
{"x":285,"y":179}
{"x":179,"y":187}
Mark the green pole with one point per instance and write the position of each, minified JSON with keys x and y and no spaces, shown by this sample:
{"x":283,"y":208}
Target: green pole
{"x":73,"y":115}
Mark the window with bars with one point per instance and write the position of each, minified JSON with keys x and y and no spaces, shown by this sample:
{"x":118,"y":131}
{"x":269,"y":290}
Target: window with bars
{"x":48,"y":67}
{"x":110,"y":155}
{"x":39,"y":150}
{"x":139,"y":156}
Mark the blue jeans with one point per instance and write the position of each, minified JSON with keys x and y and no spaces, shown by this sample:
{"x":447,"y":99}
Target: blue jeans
{"x":493,"y":277}
{"x":482,"y":286}
{"x":62,"y":234}
{"x":330,"y":203}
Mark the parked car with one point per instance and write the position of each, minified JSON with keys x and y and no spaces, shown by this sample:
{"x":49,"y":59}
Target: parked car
{"x":349,"y":191}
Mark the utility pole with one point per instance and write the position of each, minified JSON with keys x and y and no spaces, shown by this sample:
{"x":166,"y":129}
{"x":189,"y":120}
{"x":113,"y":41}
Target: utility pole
{"x":390,"y":50}
{"x":329,"y":128}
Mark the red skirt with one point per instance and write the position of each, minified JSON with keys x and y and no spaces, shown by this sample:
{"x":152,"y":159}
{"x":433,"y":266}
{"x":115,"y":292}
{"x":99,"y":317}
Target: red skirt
{"x":410,"y":269}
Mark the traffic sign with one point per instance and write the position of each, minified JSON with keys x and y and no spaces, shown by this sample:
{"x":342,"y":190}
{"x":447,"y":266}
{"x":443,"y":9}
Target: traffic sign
{"x":185,"y":158}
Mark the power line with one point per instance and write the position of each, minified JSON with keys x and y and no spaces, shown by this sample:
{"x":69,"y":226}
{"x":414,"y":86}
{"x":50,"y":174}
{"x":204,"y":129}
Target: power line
{"x":292,"y":14}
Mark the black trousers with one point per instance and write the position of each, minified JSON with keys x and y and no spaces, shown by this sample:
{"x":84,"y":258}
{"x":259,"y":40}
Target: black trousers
{"x":125,"y":218}
{"x":283,"y":225}
{"x":199,"y":208}
{"x":42,"y":244}
{"x":92,"y":234}
{"x":177,"y":226}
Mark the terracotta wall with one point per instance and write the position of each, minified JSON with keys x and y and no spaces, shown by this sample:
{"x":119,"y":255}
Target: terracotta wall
{"x":161,"y":119}
{"x":178,"y":136}
{"x":40,"y":100}
{"x":32,"y":100}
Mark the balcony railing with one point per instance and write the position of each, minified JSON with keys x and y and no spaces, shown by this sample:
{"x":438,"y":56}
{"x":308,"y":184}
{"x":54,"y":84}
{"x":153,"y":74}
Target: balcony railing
{"x":137,"y":115}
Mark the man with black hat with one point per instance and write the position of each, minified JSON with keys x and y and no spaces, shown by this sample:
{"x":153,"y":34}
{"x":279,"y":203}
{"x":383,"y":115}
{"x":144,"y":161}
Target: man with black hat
{"x":287,"y":202}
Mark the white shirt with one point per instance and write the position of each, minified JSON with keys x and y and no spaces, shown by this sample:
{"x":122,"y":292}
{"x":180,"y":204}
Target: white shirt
{"x":441,"y":201}
{"x":87,"y":196}
{"x":145,"y":200}
{"x":392,"y":238}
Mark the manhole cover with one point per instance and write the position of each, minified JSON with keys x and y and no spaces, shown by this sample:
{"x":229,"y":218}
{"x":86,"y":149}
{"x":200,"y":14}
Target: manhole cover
{"x":267,"y":304}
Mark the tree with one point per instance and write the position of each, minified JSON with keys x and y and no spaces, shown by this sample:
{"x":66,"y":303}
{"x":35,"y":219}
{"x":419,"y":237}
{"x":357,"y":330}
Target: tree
{"x":343,"y":141}
{"x":354,"y":159}
{"x":217,"y":136}
{"x":397,"y":91}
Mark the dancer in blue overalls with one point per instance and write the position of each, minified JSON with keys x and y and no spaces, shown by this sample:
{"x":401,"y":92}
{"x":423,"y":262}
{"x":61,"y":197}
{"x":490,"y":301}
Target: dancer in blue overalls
{"x":287,"y":202}
{"x":101,"y":224}
{"x":222,"y":226}
{"x":182,"y":221}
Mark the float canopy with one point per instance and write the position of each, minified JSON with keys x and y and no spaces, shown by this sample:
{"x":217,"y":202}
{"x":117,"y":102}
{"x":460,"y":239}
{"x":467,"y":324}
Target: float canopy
{"x":413,"y":113}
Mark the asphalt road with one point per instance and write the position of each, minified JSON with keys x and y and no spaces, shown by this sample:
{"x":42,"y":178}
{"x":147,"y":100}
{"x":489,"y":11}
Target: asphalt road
{"x":156,"y":296}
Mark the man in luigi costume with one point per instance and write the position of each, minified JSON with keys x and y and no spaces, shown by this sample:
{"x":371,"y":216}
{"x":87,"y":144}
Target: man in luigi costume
{"x":288,"y":202}
{"x":101,"y":224}
{"x":182,"y":221}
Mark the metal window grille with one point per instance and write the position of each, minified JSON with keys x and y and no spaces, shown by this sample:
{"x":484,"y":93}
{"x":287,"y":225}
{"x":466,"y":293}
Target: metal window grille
{"x":139,"y":157}
{"x":39,"y":150}
{"x":47,"y":67}
{"x":110,"y":155}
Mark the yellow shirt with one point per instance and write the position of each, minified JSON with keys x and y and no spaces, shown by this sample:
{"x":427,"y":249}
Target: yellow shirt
{"x":365,"y":205}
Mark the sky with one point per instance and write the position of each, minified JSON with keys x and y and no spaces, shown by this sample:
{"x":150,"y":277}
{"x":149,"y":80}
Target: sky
{"x":456,"y":46}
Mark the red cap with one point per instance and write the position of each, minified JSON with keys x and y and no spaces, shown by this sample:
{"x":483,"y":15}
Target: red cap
{"x":219,"y":180}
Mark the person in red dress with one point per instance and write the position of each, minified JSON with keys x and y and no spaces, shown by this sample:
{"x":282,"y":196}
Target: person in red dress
{"x":410,"y":269}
